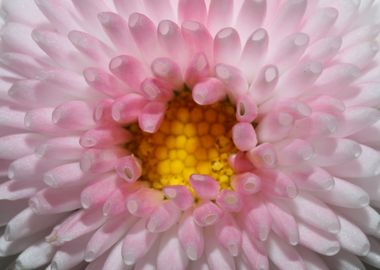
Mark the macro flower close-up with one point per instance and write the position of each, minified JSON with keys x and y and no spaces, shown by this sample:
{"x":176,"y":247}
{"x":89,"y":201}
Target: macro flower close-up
{"x":189,"y":134}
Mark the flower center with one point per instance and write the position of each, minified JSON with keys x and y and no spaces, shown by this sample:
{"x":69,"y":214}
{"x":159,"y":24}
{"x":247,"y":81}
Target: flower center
{"x":192,"y":139}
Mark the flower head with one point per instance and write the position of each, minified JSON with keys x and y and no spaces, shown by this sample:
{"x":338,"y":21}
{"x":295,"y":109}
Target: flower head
{"x":190,"y":134}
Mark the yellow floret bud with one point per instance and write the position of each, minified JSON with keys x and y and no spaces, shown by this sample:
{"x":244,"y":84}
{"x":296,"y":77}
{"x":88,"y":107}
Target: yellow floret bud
{"x":158,"y":138}
{"x":163,"y":167}
{"x":230,"y":110}
{"x":180,"y":141}
{"x":187,"y":172}
{"x":203,"y":128}
{"x":200,"y":154}
{"x":176,"y":166}
{"x":191,"y":145}
{"x":145,"y":148}
{"x":223,"y":179}
{"x":212,"y":153}
{"x":170,"y":142}
{"x":176,"y":180}
{"x":210,"y":116}
{"x":161,"y":152}
{"x":207,"y":141}
{"x":165,"y":127}
{"x":173,"y":154}
{"x":165,"y":180}
{"x":189,"y":130}
{"x":183,"y":115}
{"x":217,"y":130}
{"x":157,"y":185}
{"x":196,"y":114}
{"x":177,"y":127}
{"x":221,"y":118}
{"x":224,"y":156}
{"x":203,"y":167}
{"x":223,"y":141}
{"x":190,"y":161}
{"x":181,"y":154}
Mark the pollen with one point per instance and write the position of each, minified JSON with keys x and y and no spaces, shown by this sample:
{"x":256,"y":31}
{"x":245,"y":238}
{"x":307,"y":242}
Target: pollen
{"x":192,"y":139}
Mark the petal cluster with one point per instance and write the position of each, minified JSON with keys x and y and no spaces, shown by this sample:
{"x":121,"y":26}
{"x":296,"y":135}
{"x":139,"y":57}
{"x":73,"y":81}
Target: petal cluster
{"x":77,"y":77}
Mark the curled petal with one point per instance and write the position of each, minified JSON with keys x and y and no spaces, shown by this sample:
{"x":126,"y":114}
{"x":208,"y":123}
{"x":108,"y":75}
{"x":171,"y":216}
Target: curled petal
{"x":180,"y":195}
{"x":143,"y":202}
{"x":151,"y":116}
{"x":207,"y":214}
{"x":230,"y":201}
{"x":205,"y":186}
{"x":191,"y":237}
{"x":129,"y":168}
{"x":137,"y":243}
{"x":164,"y":217}
{"x":208,"y":92}
{"x":244,"y":136}
{"x":246,"y":183}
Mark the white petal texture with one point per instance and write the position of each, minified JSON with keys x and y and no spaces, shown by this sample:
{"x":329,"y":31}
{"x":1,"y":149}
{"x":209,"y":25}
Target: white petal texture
{"x":189,"y":134}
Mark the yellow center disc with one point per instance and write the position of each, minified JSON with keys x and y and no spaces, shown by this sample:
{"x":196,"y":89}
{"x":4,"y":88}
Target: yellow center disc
{"x":192,"y":139}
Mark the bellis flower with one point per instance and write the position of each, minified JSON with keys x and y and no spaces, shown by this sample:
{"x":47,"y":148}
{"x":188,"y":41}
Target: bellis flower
{"x":189,"y":134}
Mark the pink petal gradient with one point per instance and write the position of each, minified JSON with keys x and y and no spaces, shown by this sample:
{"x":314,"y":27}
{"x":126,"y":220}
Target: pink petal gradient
{"x":303,"y":78}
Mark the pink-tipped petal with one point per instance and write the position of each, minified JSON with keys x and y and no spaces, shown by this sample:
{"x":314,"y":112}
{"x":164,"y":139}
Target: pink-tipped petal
{"x":265,"y":83}
{"x":295,"y":152}
{"x":104,"y":137}
{"x":227,"y":46}
{"x":192,"y":10}
{"x":207,"y":214}
{"x":254,"y":51}
{"x":171,"y":252}
{"x":163,"y":217}
{"x":114,"y":26}
{"x":217,"y":256}
{"x":240,"y":163}
{"x":107,"y":235}
{"x":255,"y":252}
{"x":234,"y":80}
{"x":264,"y":155}
{"x":103,"y":82}
{"x":73,"y":115}
{"x":246,"y":183}
{"x":137,"y":243}
{"x":246,"y":109}
{"x":197,"y":37}
{"x":166,"y":69}
{"x":205,"y":186}
{"x":220,"y":14}
{"x":96,"y":193}
{"x":180,"y":195}
{"x":257,"y":219}
{"x":244,"y":136}
{"x":229,"y":234}
{"x":283,"y":224}
{"x":129,"y":70}
{"x":143,"y":32}
{"x":129,"y":168}
{"x":169,"y":35}
{"x":100,"y":160}
{"x":208,"y":92}
{"x":51,"y":201}
{"x":143,"y":202}
{"x":151,"y":116}
{"x":230,"y":201}
{"x":127,"y":109}
{"x":251,"y":15}
{"x":197,"y":70}
{"x":191,"y":237}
